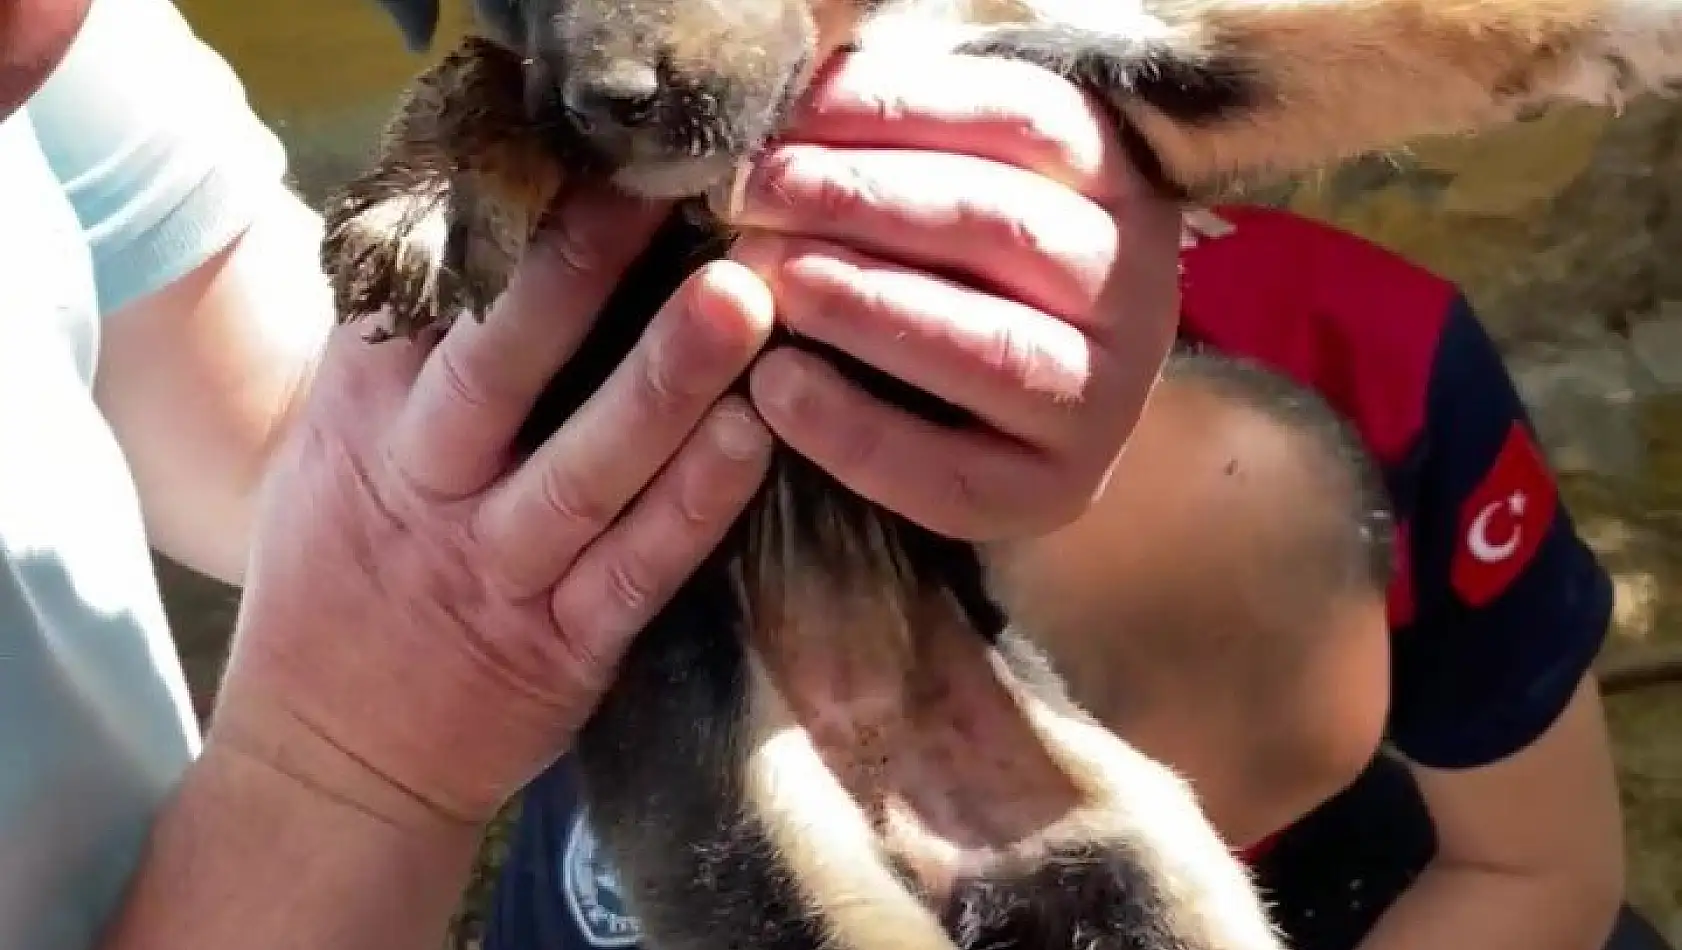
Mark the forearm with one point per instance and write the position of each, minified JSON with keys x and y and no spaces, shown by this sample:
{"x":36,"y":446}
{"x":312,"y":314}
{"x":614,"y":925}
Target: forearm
{"x":246,"y":857}
{"x":1530,"y":851}
{"x":201,"y":380}
{"x":1463,"y":908}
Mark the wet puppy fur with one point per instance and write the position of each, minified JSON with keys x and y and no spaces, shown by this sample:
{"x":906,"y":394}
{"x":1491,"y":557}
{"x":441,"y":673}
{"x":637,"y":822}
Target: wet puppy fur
{"x":831,"y":737}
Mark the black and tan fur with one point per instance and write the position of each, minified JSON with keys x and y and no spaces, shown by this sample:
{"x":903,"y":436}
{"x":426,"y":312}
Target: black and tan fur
{"x":829,"y":739}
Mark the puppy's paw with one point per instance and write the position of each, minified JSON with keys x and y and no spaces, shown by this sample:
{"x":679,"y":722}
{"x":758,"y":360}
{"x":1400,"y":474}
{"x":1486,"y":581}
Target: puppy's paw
{"x":390,"y":257}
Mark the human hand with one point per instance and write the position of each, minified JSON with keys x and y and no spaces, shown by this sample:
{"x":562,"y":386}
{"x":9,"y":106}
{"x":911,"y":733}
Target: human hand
{"x":1058,"y":308}
{"x":425,"y":625}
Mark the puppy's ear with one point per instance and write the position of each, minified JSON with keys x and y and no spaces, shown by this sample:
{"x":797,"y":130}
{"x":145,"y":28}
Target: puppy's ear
{"x":417,"y":19}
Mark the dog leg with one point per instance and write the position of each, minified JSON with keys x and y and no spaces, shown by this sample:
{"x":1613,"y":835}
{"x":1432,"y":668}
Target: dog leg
{"x":460,"y":181}
{"x":1226,"y":90}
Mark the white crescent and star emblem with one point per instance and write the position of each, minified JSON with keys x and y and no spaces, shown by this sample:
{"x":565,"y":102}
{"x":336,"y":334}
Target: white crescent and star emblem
{"x":1504,"y":521}
{"x":1478,"y":542}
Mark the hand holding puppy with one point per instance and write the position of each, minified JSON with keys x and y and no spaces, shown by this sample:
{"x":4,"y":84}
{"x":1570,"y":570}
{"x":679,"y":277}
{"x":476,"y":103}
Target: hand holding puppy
{"x":974,"y":228}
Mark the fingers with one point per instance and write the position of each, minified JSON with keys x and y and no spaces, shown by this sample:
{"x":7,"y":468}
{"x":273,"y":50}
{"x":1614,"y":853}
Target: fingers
{"x":577,"y":483}
{"x":942,"y":212}
{"x":617,"y":586}
{"x":1070,"y":306}
{"x":481,"y":380}
{"x":958,"y":482}
{"x":1009,"y":112}
{"x":1021,"y":371}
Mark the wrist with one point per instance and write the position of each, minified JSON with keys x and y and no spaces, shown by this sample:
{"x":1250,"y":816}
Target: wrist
{"x":306,"y":764}
{"x":358,"y":808}
{"x":250,"y":855}
{"x":435,"y":740}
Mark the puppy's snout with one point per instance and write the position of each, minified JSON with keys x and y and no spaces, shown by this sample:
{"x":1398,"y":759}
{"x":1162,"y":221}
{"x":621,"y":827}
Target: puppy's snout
{"x":624,"y":95}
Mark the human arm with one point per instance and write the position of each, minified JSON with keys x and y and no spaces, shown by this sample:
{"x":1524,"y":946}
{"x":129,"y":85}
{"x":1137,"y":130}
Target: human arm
{"x":1495,"y":706}
{"x":1530,"y":849}
{"x":213,"y":306}
{"x":366,"y":732}
{"x":248,"y":857}
{"x":200,"y":380}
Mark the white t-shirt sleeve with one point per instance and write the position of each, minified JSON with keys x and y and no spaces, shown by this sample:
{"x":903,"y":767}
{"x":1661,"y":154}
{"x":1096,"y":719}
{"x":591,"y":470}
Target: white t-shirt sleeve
{"x":158,"y":150}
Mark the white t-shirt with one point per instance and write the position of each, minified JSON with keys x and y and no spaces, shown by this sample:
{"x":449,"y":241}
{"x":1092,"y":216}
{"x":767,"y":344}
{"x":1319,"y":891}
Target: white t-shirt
{"x":137,"y":161}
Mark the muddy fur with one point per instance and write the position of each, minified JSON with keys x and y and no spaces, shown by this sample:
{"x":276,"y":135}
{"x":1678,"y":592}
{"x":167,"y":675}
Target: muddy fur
{"x":830,"y":738}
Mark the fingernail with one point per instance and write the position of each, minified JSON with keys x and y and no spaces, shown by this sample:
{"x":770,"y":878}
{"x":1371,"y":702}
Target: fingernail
{"x":739,"y":436}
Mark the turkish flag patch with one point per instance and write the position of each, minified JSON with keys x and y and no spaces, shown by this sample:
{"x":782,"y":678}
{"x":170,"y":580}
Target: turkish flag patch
{"x":1504,"y":521}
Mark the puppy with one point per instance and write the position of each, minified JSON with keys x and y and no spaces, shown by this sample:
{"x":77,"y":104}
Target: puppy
{"x":830,"y":737}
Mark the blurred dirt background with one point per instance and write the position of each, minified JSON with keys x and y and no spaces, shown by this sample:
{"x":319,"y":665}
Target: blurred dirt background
{"x":1566,"y":231}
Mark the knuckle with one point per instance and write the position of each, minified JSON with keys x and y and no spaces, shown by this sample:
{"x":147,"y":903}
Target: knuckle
{"x":1011,"y":225}
{"x":1053,"y":130}
{"x":566,"y":499}
{"x":1052,"y":231}
{"x":1045,"y":365}
{"x":1074,"y":234}
{"x":665,"y":384}
{"x":965,"y":500}
{"x":1015,"y":355}
{"x":696,"y":510}
{"x":818,"y":298}
{"x":857,"y":447}
{"x":573,"y":247}
{"x":463,"y":385}
{"x":702,"y":494}
{"x":882,"y":107}
{"x":831,"y":188}
{"x":1062,"y":131}
{"x":629,"y":585}
{"x":1019,"y":497}
{"x":1092,"y":233}
{"x":584,"y":618}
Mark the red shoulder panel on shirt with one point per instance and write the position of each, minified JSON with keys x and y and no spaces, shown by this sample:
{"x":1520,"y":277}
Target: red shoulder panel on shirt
{"x":1504,"y":520}
{"x":1354,"y":321}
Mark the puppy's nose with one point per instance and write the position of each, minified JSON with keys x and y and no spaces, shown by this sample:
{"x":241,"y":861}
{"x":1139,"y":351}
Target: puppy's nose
{"x":623,"y":94}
